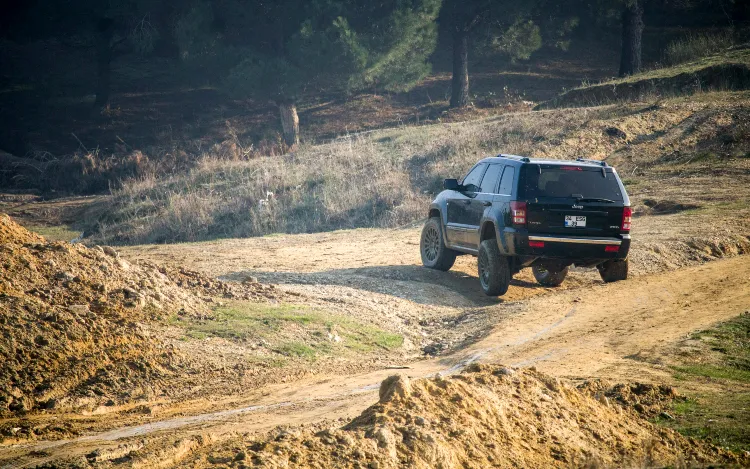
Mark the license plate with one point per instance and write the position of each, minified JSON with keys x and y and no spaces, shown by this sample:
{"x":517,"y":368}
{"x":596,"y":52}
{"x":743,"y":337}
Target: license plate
{"x":575,"y":221}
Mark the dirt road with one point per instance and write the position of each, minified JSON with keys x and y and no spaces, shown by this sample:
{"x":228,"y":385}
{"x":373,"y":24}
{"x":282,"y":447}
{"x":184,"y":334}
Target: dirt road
{"x":602,"y":331}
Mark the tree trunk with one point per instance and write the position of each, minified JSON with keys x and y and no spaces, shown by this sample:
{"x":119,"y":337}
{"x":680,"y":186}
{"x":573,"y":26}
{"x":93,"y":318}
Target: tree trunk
{"x":460,"y":83}
{"x":290,"y":123}
{"x":632,"y":33}
{"x":105,"y":29}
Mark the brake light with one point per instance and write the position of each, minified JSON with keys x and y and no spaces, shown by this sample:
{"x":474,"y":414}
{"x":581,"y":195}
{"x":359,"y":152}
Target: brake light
{"x":518,"y":211}
{"x":612,"y":248}
{"x":571,"y":168}
{"x":627,"y":217}
{"x":536,"y":244}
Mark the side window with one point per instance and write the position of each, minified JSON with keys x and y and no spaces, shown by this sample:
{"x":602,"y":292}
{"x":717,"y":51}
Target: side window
{"x":475,"y":175}
{"x":491,"y":177}
{"x":506,"y":185}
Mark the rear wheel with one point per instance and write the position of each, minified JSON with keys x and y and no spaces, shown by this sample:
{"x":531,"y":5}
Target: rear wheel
{"x":613,"y":270}
{"x":435,"y":254}
{"x":493,"y":270}
{"x":548,"y":277}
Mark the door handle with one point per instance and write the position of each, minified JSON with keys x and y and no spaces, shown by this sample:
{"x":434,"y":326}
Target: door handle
{"x":487,"y":203}
{"x":467,"y":202}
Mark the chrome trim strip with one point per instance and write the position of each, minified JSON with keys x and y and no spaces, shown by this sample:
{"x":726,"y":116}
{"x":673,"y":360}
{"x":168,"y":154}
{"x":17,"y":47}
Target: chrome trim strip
{"x":461,"y":228}
{"x":553,"y":239}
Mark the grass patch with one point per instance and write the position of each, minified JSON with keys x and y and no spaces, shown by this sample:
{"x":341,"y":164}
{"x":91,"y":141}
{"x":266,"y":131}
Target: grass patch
{"x":54,"y":233}
{"x":722,"y":418}
{"x":731,"y":343}
{"x":715,"y":372}
{"x":297,"y":349}
{"x":291,"y":330}
{"x":697,"y":46}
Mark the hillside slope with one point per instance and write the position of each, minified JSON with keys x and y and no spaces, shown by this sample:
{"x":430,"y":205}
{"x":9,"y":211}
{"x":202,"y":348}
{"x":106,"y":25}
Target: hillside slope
{"x":726,"y":71}
{"x":663,"y":149}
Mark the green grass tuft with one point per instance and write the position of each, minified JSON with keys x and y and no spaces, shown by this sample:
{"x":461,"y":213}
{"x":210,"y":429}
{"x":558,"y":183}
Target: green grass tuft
{"x":291,"y":330}
{"x":715,"y":372}
{"x":297,"y":349}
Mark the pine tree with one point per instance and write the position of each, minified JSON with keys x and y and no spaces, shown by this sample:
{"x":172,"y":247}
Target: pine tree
{"x":510,"y":27}
{"x":384,"y":45}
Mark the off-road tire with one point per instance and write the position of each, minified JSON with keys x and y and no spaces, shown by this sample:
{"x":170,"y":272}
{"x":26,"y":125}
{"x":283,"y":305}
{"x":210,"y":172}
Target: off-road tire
{"x":493,"y":269}
{"x":549,"y":278}
{"x":613,"y":270}
{"x":435,"y":254}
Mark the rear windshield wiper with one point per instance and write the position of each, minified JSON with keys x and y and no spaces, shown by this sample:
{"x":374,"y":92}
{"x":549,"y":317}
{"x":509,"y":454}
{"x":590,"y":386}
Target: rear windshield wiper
{"x":594,"y":199}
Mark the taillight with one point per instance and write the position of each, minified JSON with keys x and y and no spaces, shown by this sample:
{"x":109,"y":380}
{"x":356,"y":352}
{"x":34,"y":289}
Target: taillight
{"x":536,"y":244}
{"x":518,"y":212}
{"x":627,"y":217}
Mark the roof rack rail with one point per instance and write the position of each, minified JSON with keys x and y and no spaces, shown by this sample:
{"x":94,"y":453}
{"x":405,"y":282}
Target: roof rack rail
{"x":599,"y":162}
{"x":525,"y":159}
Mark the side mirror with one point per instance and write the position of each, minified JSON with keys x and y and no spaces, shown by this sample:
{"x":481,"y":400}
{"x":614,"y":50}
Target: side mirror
{"x":451,"y":184}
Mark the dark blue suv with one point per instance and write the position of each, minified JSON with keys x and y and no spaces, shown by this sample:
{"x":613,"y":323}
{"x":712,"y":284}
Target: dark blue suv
{"x":514,"y":212}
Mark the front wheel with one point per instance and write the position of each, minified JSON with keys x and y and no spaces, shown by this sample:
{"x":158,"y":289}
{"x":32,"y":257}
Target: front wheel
{"x":493,"y":269}
{"x":547,"y":277}
{"x":613,"y":270}
{"x":435,"y":254}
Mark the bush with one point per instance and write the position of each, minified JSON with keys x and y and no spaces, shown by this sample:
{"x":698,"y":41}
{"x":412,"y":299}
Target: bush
{"x":696,"y":46}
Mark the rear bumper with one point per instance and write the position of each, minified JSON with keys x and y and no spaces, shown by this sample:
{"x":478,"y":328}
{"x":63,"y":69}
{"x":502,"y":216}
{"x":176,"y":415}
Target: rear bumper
{"x":574,"y":248}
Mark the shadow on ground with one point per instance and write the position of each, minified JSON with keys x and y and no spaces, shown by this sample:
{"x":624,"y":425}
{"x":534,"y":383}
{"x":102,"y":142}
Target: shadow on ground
{"x":408,"y":282}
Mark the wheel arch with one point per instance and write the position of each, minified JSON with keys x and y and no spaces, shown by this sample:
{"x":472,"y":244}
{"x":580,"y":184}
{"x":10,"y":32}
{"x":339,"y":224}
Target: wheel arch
{"x":487,"y":231}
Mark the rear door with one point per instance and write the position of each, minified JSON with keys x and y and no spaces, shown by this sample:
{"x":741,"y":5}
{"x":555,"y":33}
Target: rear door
{"x":572,"y":200}
{"x":459,"y":204}
{"x":481,"y":201}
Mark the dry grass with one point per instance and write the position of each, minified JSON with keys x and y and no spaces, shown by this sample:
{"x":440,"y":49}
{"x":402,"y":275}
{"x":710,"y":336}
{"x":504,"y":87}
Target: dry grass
{"x":697,"y":46}
{"x":387,"y":178}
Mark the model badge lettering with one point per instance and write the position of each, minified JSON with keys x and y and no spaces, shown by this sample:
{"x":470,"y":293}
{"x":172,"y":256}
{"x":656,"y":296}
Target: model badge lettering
{"x":578,"y":206}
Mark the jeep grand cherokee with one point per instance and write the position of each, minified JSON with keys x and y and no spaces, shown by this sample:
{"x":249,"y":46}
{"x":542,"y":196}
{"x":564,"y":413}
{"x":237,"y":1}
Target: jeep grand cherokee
{"x":514,"y":212}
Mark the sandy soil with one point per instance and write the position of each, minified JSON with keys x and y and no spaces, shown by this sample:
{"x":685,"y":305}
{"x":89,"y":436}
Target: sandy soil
{"x":577,"y":334}
{"x":584,"y":329}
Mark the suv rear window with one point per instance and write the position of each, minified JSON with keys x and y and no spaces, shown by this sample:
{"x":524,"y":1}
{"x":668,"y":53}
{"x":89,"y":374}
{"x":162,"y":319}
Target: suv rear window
{"x":564,"y":181}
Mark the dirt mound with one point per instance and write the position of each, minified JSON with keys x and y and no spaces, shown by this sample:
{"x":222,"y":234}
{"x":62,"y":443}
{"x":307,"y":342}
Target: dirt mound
{"x":488,"y":416}
{"x":649,"y":400}
{"x":72,"y":322}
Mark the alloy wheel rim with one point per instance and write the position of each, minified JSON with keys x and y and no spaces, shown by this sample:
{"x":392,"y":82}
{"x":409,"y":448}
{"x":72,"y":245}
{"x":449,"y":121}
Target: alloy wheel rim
{"x":484,"y":274}
{"x":431,"y":244}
